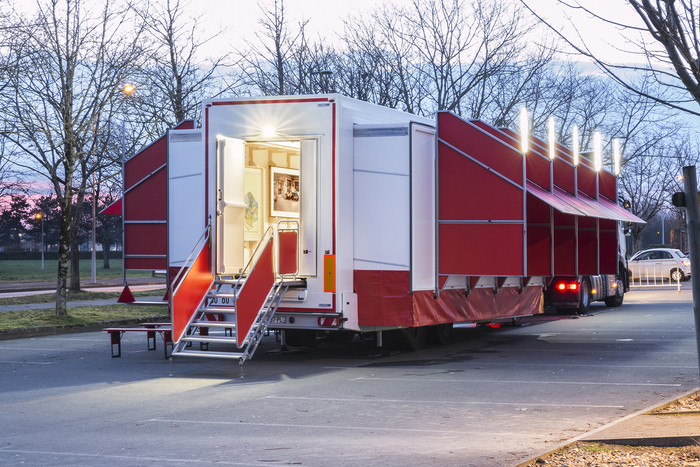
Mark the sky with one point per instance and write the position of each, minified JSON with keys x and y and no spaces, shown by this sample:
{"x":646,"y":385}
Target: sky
{"x":326,"y":19}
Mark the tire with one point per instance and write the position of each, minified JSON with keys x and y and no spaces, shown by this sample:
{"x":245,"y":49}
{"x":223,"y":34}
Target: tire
{"x":616,"y":300}
{"x":584,"y":305}
{"x":439,"y":334}
{"x":413,"y":338}
{"x":676,"y":276}
{"x":301,"y":338}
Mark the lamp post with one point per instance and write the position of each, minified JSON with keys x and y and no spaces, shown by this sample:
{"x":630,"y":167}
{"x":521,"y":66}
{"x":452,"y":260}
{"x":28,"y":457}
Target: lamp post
{"x":40,"y":217}
{"x":127,"y":89}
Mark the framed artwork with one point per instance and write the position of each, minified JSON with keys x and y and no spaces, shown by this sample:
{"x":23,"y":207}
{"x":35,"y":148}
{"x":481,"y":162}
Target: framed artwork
{"x":253,"y":185}
{"x":284,"y":192}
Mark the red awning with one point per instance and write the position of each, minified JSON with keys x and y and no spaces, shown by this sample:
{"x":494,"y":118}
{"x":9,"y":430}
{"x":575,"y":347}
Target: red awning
{"x":585,"y":209}
{"x":557,"y":203}
{"x":622,"y":212}
{"x":114,"y":209}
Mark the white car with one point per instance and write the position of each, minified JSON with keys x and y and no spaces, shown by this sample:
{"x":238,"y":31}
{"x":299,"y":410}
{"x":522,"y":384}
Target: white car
{"x":663,"y":263}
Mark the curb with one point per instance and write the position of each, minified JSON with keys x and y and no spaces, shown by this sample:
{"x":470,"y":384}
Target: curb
{"x":40,"y":331}
{"x":604,"y":427}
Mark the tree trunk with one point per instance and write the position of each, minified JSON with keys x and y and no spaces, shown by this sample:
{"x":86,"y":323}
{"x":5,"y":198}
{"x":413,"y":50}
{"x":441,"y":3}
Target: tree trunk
{"x":63,"y":250}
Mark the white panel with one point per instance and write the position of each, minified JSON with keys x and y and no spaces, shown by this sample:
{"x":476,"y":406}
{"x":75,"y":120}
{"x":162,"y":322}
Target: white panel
{"x":387,"y":154}
{"x":308,"y":215}
{"x":381,"y":219}
{"x":186,"y":193}
{"x":230,"y":205}
{"x":423,"y":208}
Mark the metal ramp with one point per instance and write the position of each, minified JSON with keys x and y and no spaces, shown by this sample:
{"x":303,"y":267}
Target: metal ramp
{"x":236,"y":311}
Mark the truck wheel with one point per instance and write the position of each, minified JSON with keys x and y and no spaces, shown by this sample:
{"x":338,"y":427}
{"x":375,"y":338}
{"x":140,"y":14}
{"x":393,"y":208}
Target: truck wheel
{"x":413,"y":338}
{"x":301,"y":338}
{"x":440,"y":334}
{"x":616,"y":300}
{"x":677,"y":276}
{"x":584,"y":305}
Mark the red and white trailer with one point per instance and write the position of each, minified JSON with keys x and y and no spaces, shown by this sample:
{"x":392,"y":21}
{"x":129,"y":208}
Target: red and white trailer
{"x":324,"y":213}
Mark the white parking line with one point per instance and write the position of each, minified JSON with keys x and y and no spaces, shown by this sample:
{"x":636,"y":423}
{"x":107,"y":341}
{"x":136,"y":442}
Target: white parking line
{"x":404,"y":401}
{"x":130,"y":457}
{"x":26,"y":363}
{"x":488,"y":381}
{"x":350,"y":428}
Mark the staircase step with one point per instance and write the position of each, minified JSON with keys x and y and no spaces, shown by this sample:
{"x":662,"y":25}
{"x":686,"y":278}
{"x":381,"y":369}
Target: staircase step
{"x":221,"y":295}
{"x":207,"y":354}
{"x":217,"y":309}
{"x":214,"y":324}
{"x":230,"y":339}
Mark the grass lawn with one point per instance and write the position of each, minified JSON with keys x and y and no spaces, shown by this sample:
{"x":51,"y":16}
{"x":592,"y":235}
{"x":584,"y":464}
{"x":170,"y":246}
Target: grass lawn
{"x":72,"y":296}
{"x":30,"y":270}
{"x":77,"y":315}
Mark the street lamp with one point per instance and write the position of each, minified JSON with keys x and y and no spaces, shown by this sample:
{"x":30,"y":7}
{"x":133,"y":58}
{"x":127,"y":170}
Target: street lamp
{"x":127,"y":89}
{"x":40,"y":216}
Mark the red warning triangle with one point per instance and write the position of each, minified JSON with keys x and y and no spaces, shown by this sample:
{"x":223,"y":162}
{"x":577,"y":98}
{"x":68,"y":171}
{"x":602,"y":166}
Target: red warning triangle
{"x":126,"y":296}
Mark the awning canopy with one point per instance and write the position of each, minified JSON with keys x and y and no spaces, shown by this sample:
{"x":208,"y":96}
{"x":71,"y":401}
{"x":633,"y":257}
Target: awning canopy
{"x":582,"y":205}
{"x":622,"y":212}
{"x":114,"y":209}
{"x":557,"y":203}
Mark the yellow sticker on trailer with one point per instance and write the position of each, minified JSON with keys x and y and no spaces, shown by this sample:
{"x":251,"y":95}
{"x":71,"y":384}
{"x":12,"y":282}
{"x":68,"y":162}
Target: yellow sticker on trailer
{"x":329,"y":273}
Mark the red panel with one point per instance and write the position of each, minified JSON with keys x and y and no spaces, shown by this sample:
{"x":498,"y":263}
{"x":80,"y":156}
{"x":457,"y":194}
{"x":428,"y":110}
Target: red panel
{"x":508,"y":139}
{"x":145,"y":239}
{"x":452,"y":306}
{"x":490,"y":151}
{"x":113,"y":209}
{"x":481,"y":249}
{"x":539,"y":246}
{"x":552,"y":200}
{"x":587,"y":181}
{"x":383,"y":298}
{"x":470,"y":192}
{"x":148,"y":200}
{"x":192,"y":289}
{"x":607,"y":184}
{"x":587,"y":246}
{"x":149,"y":264}
{"x":288,"y":252}
{"x":564,"y":245}
{"x":537,"y":168}
{"x":145,"y":162}
{"x":564,"y":175}
{"x":608,"y":246}
{"x":254,"y":293}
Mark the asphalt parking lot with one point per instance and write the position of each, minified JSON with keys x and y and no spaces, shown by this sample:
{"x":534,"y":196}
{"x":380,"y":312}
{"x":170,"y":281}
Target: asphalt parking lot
{"x":493,"y":397}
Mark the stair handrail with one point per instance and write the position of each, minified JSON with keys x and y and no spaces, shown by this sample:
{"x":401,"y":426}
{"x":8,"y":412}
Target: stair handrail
{"x":270,"y":233}
{"x":195,"y":252}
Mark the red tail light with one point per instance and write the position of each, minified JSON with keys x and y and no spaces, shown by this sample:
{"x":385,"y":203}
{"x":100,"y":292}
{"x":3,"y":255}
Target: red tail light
{"x":561,"y":286}
{"x":573,"y":286}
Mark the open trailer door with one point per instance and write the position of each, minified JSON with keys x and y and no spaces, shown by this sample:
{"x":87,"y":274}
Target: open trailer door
{"x":230,"y":205}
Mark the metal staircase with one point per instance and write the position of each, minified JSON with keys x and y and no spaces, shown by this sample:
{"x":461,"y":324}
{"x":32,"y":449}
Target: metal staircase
{"x":237,"y":310}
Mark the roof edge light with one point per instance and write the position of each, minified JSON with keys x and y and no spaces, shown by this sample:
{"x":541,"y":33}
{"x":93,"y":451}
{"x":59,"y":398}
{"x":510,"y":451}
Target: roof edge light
{"x":524,"y":131}
{"x":552,"y":144}
{"x":597,"y":152}
{"x":575,"y":144}
{"x":616,"y":155}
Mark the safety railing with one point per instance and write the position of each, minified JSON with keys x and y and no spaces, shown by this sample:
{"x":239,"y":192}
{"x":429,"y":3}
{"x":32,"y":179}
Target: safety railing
{"x":654,"y":276}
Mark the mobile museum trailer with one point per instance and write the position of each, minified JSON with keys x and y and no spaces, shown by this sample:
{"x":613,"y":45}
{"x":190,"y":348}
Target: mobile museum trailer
{"x":323,"y":213}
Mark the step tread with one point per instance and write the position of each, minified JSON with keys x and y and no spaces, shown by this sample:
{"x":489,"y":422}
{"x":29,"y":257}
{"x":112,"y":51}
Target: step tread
{"x":214,"y":324}
{"x":231,"y":339}
{"x":207,"y":354}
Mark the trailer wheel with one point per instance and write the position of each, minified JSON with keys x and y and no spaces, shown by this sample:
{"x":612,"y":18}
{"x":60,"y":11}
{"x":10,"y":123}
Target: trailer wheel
{"x":413,"y":338}
{"x":301,"y":338}
{"x":584,"y":306}
{"x":616,"y":300}
{"x":439,"y":334}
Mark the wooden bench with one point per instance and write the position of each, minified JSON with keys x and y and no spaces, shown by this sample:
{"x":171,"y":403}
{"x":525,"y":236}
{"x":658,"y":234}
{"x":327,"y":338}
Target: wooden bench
{"x":116,"y":334}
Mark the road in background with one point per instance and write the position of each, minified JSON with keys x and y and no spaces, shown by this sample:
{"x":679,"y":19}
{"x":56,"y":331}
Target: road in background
{"x":494,"y":397}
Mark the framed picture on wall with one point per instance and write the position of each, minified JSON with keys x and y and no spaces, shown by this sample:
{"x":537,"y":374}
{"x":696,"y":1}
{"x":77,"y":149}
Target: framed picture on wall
{"x":253,"y":204}
{"x":284,"y":192}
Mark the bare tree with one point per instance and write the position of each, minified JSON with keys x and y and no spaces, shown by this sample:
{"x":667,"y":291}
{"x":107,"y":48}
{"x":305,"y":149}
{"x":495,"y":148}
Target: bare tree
{"x":172,"y":86}
{"x":665,"y":47}
{"x":72,"y":60}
